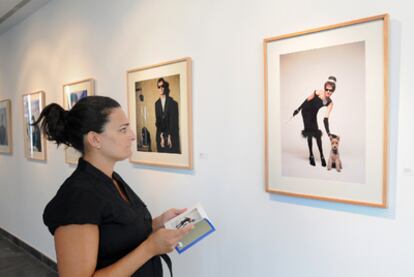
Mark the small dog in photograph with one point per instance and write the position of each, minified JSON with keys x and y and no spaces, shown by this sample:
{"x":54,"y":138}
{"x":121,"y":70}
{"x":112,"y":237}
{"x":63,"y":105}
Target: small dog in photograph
{"x":334,"y":160}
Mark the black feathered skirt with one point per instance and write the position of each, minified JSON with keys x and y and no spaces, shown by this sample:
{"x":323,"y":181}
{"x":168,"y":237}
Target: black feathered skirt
{"x":312,"y":133}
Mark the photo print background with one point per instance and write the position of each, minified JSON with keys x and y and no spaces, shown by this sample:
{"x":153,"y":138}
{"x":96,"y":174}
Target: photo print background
{"x":303,"y":72}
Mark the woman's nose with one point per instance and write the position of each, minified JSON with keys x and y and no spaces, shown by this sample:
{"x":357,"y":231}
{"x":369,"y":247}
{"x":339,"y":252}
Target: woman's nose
{"x":133,"y":136}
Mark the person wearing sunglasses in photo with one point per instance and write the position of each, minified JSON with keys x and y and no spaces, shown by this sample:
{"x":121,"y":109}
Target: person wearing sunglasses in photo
{"x":309,"y":109}
{"x":166,"y":120}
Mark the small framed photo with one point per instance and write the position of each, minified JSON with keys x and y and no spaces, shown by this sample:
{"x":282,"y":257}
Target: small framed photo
{"x":6,"y":142}
{"x":159,"y":107}
{"x":72,"y":93}
{"x":326,"y":94}
{"x":34,"y":141}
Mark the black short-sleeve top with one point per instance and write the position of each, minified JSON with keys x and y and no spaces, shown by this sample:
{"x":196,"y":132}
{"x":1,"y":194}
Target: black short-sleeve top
{"x":88,"y":196}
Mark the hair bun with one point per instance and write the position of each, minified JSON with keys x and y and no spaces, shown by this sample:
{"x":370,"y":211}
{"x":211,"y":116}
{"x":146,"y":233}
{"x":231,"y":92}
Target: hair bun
{"x":54,"y":118}
{"x":332,"y":79}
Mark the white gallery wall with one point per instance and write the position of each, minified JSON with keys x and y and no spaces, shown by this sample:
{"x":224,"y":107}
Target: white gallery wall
{"x":258,"y":234}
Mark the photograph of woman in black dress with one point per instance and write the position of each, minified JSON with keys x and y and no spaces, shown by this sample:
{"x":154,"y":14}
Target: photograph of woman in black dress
{"x":309,"y":110}
{"x":325,"y":89}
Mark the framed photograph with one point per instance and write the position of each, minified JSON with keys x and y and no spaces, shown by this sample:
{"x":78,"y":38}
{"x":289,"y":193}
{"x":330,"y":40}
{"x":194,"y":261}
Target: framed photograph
{"x":6,"y":142}
{"x":72,"y":93}
{"x":34,"y":141}
{"x":159,"y":107}
{"x":326,"y":112}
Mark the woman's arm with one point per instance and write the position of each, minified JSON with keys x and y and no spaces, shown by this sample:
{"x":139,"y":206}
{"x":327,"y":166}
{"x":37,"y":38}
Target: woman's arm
{"x":309,"y":98}
{"x":329,"y":109}
{"x":77,"y":251}
{"x":314,"y":93}
{"x":326,"y":119}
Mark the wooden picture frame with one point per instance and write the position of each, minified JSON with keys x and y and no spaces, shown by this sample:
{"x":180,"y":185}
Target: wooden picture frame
{"x":35,"y":147}
{"x":164,"y":129}
{"x":297,"y":69}
{"x":72,"y":93}
{"x":6,"y":138}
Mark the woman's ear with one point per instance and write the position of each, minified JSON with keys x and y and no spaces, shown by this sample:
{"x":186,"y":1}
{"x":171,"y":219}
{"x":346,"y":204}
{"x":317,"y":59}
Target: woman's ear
{"x":94,"y":139}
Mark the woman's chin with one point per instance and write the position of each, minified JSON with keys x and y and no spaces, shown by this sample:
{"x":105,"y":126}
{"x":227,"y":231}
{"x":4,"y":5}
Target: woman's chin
{"x":128,"y":154}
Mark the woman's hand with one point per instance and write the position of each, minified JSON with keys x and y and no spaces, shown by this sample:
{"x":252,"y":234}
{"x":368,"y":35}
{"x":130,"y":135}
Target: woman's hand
{"x":165,"y":240}
{"x":171,"y":213}
{"x":162,"y":142}
{"x":295,"y":112}
{"x":158,"y":222}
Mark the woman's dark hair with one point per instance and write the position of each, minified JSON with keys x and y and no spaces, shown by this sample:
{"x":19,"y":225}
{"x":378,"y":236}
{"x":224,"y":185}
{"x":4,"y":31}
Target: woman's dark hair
{"x":166,"y":86}
{"x":68,"y":127}
{"x":332,"y":82}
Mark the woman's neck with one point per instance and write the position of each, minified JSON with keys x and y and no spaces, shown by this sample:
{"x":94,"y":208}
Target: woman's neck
{"x":101,"y":163}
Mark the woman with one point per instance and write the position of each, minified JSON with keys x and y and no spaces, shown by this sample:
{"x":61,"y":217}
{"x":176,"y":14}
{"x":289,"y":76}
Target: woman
{"x":101,"y":227}
{"x":166,"y":120}
{"x":310,"y":108}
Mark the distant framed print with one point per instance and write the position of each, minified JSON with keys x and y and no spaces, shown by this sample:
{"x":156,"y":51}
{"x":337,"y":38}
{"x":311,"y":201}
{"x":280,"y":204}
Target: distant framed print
{"x":6,"y":141}
{"x":72,"y":93}
{"x":326,"y":95}
{"x":34,"y":141}
{"x":159,"y":107}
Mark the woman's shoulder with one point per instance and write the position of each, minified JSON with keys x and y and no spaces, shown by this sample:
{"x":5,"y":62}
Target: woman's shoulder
{"x":78,"y":181}
{"x":170,"y":99}
{"x":312,"y":96}
{"x":75,"y":202}
{"x":318,"y":92}
{"x":78,"y":187}
{"x":72,"y":188}
{"x":329,"y":101}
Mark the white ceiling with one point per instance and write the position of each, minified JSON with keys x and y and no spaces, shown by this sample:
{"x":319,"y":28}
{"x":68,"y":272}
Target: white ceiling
{"x":14,"y":11}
